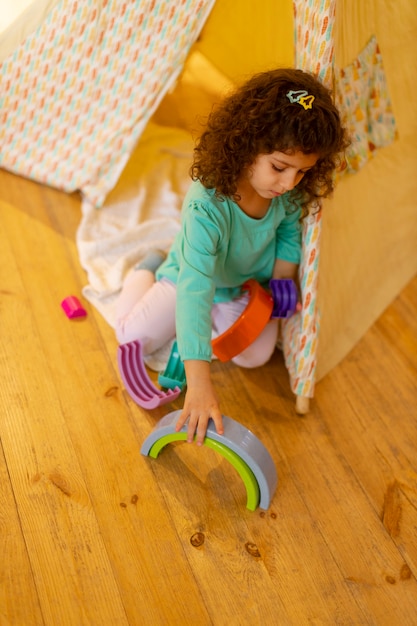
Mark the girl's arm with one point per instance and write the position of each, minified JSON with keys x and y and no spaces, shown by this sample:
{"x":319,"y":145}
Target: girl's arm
{"x":200,"y":403}
{"x":285,"y":269}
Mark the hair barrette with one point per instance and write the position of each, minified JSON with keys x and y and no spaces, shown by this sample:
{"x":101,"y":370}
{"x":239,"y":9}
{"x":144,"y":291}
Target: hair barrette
{"x":301,"y":97}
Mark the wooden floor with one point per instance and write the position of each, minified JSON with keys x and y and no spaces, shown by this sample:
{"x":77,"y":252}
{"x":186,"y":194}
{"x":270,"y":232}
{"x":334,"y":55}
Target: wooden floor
{"x":91,"y":532}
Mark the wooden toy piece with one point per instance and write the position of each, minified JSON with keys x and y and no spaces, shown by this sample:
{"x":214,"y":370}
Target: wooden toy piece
{"x":248,"y":326}
{"x":136,"y":380}
{"x":284,"y":294}
{"x":246,"y":474}
{"x":73,"y":308}
{"x":237,"y":439}
{"x":174,"y":374}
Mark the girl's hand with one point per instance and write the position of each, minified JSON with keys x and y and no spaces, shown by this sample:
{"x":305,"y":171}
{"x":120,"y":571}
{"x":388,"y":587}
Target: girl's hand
{"x":201,"y":402}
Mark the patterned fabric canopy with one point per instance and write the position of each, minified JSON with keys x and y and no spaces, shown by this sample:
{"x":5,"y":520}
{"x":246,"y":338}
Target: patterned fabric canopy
{"x":76,"y":95}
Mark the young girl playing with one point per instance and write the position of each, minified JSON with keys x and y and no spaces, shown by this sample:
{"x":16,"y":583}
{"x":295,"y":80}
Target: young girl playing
{"x":267,"y":151}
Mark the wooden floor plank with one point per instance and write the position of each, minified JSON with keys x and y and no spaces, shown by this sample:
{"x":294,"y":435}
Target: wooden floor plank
{"x":103,"y":535}
{"x":61,"y":535}
{"x":16,"y":578}
{"x":75,"y":355}
{"x":335,"y":503}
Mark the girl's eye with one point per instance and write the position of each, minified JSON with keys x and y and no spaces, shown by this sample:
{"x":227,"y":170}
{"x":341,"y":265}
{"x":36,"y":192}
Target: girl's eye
{"x":277,"y":169}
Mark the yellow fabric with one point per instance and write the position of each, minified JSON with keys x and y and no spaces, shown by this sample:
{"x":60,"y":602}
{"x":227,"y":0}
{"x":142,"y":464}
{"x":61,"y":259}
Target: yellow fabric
{"x":369,"y":239}
{"x":18,"y":19}
{"x":10,"y":11}
{"x":241,"y":38}
{"x":234,"y":43}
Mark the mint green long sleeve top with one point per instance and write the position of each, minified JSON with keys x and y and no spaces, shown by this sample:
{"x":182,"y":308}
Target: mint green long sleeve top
{"x":217,"y":249}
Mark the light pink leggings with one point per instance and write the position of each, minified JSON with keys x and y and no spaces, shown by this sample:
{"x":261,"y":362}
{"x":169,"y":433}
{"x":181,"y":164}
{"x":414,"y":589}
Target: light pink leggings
{"x":146,"y":311}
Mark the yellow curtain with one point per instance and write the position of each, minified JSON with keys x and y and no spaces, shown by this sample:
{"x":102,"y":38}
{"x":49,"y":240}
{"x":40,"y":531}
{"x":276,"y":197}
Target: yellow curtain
{"x":368,"y":250}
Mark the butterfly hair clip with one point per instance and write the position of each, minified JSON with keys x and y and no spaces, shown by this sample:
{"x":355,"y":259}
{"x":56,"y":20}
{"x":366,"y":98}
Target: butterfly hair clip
{"x":301,"y":97}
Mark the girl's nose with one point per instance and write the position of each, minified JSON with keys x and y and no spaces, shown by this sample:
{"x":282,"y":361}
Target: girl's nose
{"x":289,"y":180}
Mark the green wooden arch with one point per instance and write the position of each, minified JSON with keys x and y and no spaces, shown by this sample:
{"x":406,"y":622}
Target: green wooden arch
{"x":244,"y":471}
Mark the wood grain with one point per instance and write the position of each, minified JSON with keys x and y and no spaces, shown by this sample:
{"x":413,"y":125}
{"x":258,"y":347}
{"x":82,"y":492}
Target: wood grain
{"x":91,"y":532}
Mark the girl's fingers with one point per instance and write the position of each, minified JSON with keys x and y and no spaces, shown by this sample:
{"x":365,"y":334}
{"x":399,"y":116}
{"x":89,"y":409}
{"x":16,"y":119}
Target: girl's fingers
{"x":202,"y":427}
{"x":192,"y":425}
{"x":218,"y":422}
{"x":197,"y":425}
{"x":181,"y":421}
{"x":201,"y":431}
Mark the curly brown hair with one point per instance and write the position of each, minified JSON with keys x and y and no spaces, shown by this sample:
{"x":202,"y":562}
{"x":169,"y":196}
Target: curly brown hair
{"x":259,"y":118}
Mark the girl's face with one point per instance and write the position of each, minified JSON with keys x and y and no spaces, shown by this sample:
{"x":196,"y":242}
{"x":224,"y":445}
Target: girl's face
{"x":271,"y":175}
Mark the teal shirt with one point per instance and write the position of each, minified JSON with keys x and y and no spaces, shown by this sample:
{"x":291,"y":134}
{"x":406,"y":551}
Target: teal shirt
{"x":217,"y":249}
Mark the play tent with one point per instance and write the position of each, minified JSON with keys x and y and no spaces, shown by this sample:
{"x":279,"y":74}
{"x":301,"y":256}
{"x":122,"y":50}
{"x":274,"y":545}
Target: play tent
{"x":103,"y":96}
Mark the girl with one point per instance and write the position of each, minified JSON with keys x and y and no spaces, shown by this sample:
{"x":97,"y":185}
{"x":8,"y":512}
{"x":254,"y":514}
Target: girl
{"x":267,"y":151}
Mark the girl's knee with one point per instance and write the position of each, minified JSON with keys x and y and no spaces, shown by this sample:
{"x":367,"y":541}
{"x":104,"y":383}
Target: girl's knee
{"x":150,"y":319}
{"x":261,"y":350}
{"x":149,"y":344}
{"x":122,"y":333}
{"x":252,"y":358}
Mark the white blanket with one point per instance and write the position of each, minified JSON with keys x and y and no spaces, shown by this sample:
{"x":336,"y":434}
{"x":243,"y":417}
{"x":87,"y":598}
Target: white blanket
{"x":141,"y":213}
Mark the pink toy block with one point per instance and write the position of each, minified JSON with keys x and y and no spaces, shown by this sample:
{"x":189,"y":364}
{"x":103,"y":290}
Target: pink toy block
{"x":73,"y":307}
